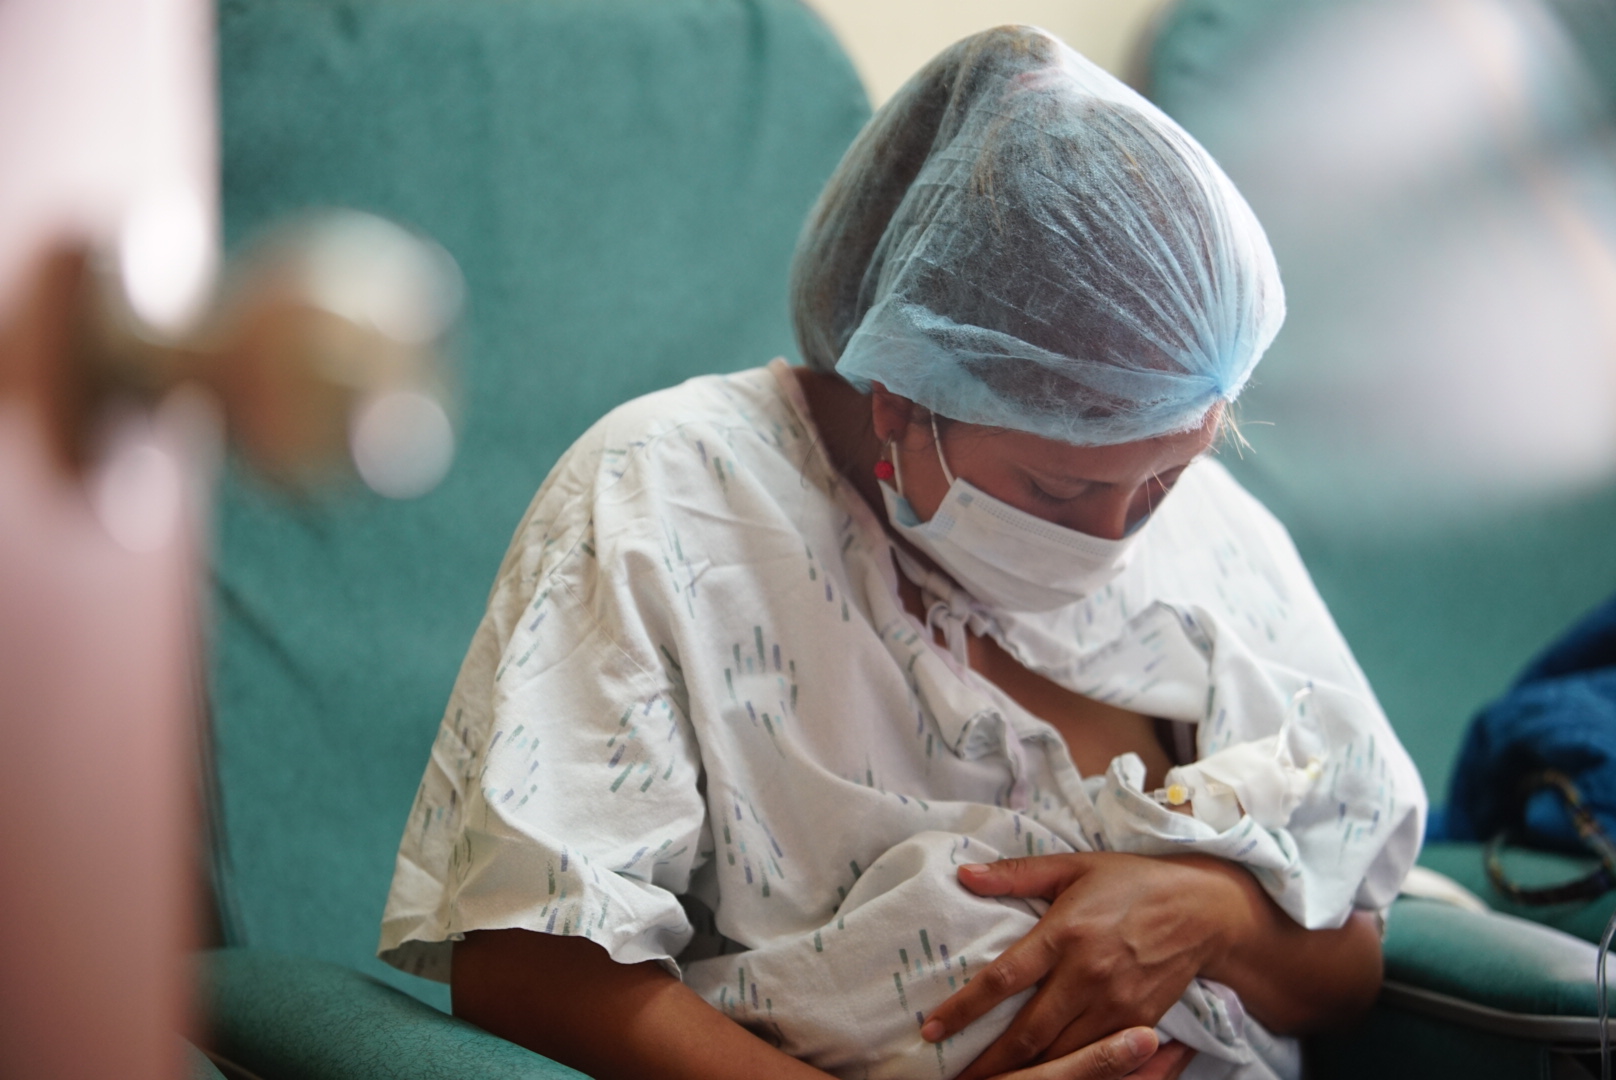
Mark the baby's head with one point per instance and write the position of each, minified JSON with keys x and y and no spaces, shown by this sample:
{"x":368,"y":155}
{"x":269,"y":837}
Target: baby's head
{"x":1018,"y":240}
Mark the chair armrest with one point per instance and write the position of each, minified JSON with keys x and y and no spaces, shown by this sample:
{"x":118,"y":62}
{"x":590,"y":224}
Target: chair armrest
{"x":1491,"y":971}
{"x":287,"y":1016}
{"x":1463,"y":862}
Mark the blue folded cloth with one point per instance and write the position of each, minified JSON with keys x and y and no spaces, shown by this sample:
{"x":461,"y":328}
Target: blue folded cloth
{"x":1560,"y":714}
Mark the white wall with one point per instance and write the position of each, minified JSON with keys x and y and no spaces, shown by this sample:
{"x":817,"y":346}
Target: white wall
{"x":890,"y":39}
{"x":106,"y":121}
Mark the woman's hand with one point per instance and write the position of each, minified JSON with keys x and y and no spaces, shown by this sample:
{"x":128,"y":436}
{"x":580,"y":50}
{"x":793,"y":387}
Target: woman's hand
{"x":1123,"y":938}
{"x":1133,"y":1053}
{"x":1125,"y":934}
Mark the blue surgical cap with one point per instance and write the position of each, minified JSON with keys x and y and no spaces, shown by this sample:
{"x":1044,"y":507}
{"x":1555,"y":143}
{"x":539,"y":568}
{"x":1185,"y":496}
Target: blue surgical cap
{"x":1017,"y":239}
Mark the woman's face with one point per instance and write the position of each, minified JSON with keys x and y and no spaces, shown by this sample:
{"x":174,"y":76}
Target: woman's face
{"x":1099,"y":490}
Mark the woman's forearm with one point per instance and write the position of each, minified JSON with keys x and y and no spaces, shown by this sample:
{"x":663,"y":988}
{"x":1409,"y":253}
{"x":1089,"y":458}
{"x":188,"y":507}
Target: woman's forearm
{"x":564,"y":997}
{"x":1294,"y":980}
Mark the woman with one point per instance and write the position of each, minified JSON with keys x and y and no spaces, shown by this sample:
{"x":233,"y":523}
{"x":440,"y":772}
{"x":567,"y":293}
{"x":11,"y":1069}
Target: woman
{"x":782,"y":666}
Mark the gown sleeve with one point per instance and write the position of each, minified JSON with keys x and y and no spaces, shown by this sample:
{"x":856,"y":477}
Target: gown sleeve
{"x":1355,"y":832}
{"x":562,"y":794}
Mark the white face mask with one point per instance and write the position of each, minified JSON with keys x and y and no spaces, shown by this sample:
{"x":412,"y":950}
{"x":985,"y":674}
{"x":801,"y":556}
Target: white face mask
{"x":1005,"y":558}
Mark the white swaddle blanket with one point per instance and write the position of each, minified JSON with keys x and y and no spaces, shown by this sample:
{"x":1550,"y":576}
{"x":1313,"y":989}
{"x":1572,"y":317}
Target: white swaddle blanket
{"x":861,"y":1026}
{"x":852,"y":994}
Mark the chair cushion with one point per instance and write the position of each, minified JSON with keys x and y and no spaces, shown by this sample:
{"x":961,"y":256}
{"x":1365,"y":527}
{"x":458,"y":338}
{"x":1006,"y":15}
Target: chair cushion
{"x":281,"y":1017}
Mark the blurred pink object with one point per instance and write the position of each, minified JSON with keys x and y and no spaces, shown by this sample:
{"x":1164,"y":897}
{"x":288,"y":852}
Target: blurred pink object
{"x":98,"y":808}
{"x":107,"y":134}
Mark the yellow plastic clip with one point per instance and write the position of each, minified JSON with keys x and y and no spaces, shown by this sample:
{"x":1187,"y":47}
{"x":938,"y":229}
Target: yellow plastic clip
{"x":1173,"y":794}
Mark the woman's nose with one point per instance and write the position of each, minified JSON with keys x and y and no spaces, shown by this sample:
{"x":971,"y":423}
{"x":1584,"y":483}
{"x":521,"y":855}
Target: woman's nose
{"x":1110,"y":514}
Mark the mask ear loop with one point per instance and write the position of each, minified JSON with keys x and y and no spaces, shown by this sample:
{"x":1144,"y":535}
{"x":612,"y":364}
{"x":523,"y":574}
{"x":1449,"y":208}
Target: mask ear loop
{"x":937,"y":441}
{"x":953,"y":625}
{"x":940,"y":614}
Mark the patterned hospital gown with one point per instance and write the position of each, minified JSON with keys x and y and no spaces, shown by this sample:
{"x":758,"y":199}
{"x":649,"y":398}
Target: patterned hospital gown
{"x":697,"y":726}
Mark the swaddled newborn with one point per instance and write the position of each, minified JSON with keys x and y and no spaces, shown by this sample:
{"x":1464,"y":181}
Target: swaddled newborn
{"x":850,"y":997}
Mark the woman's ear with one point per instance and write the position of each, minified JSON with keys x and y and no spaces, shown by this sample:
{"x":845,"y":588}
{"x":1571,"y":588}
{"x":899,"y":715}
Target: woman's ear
{"x":890,"y":414}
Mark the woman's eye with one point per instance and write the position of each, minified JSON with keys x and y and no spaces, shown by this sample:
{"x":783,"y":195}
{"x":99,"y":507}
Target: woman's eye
{"x":1066,"y":495}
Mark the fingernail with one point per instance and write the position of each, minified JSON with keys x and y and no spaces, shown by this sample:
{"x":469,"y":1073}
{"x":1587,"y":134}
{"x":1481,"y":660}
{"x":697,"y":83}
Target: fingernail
{"x":975,"y":868}
{"x":1141,"y":1043}
{"x":933,"y":1031}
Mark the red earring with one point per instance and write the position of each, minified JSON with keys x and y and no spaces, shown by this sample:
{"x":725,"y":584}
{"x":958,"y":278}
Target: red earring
{"x":883,"y":467}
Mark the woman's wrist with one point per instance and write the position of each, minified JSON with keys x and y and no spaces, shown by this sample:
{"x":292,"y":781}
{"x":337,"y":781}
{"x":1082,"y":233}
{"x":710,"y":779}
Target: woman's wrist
{"x":1291,"y":979}
{"x":1236,"y":912}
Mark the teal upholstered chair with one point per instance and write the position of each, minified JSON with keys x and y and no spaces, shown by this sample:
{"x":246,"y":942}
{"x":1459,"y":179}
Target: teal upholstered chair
{"x":1442,"y":612}
{"x":622,"y":182}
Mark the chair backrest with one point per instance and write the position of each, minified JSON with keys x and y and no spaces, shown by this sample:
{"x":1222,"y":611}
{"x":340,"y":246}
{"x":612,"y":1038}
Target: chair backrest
{"x":622,"y":182}
{"x":1442,"y":609}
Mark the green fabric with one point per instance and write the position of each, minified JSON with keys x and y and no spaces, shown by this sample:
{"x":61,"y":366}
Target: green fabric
{"x":622,"y":182}
{"x":1493,"y":960}
{"x":1441,"y":615}
{"x":285,"y":1017}
{"x":1533,"y":869}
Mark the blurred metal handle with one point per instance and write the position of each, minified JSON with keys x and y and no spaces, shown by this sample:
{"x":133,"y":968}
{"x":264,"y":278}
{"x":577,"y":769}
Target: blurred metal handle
{"x":325,"y":348}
